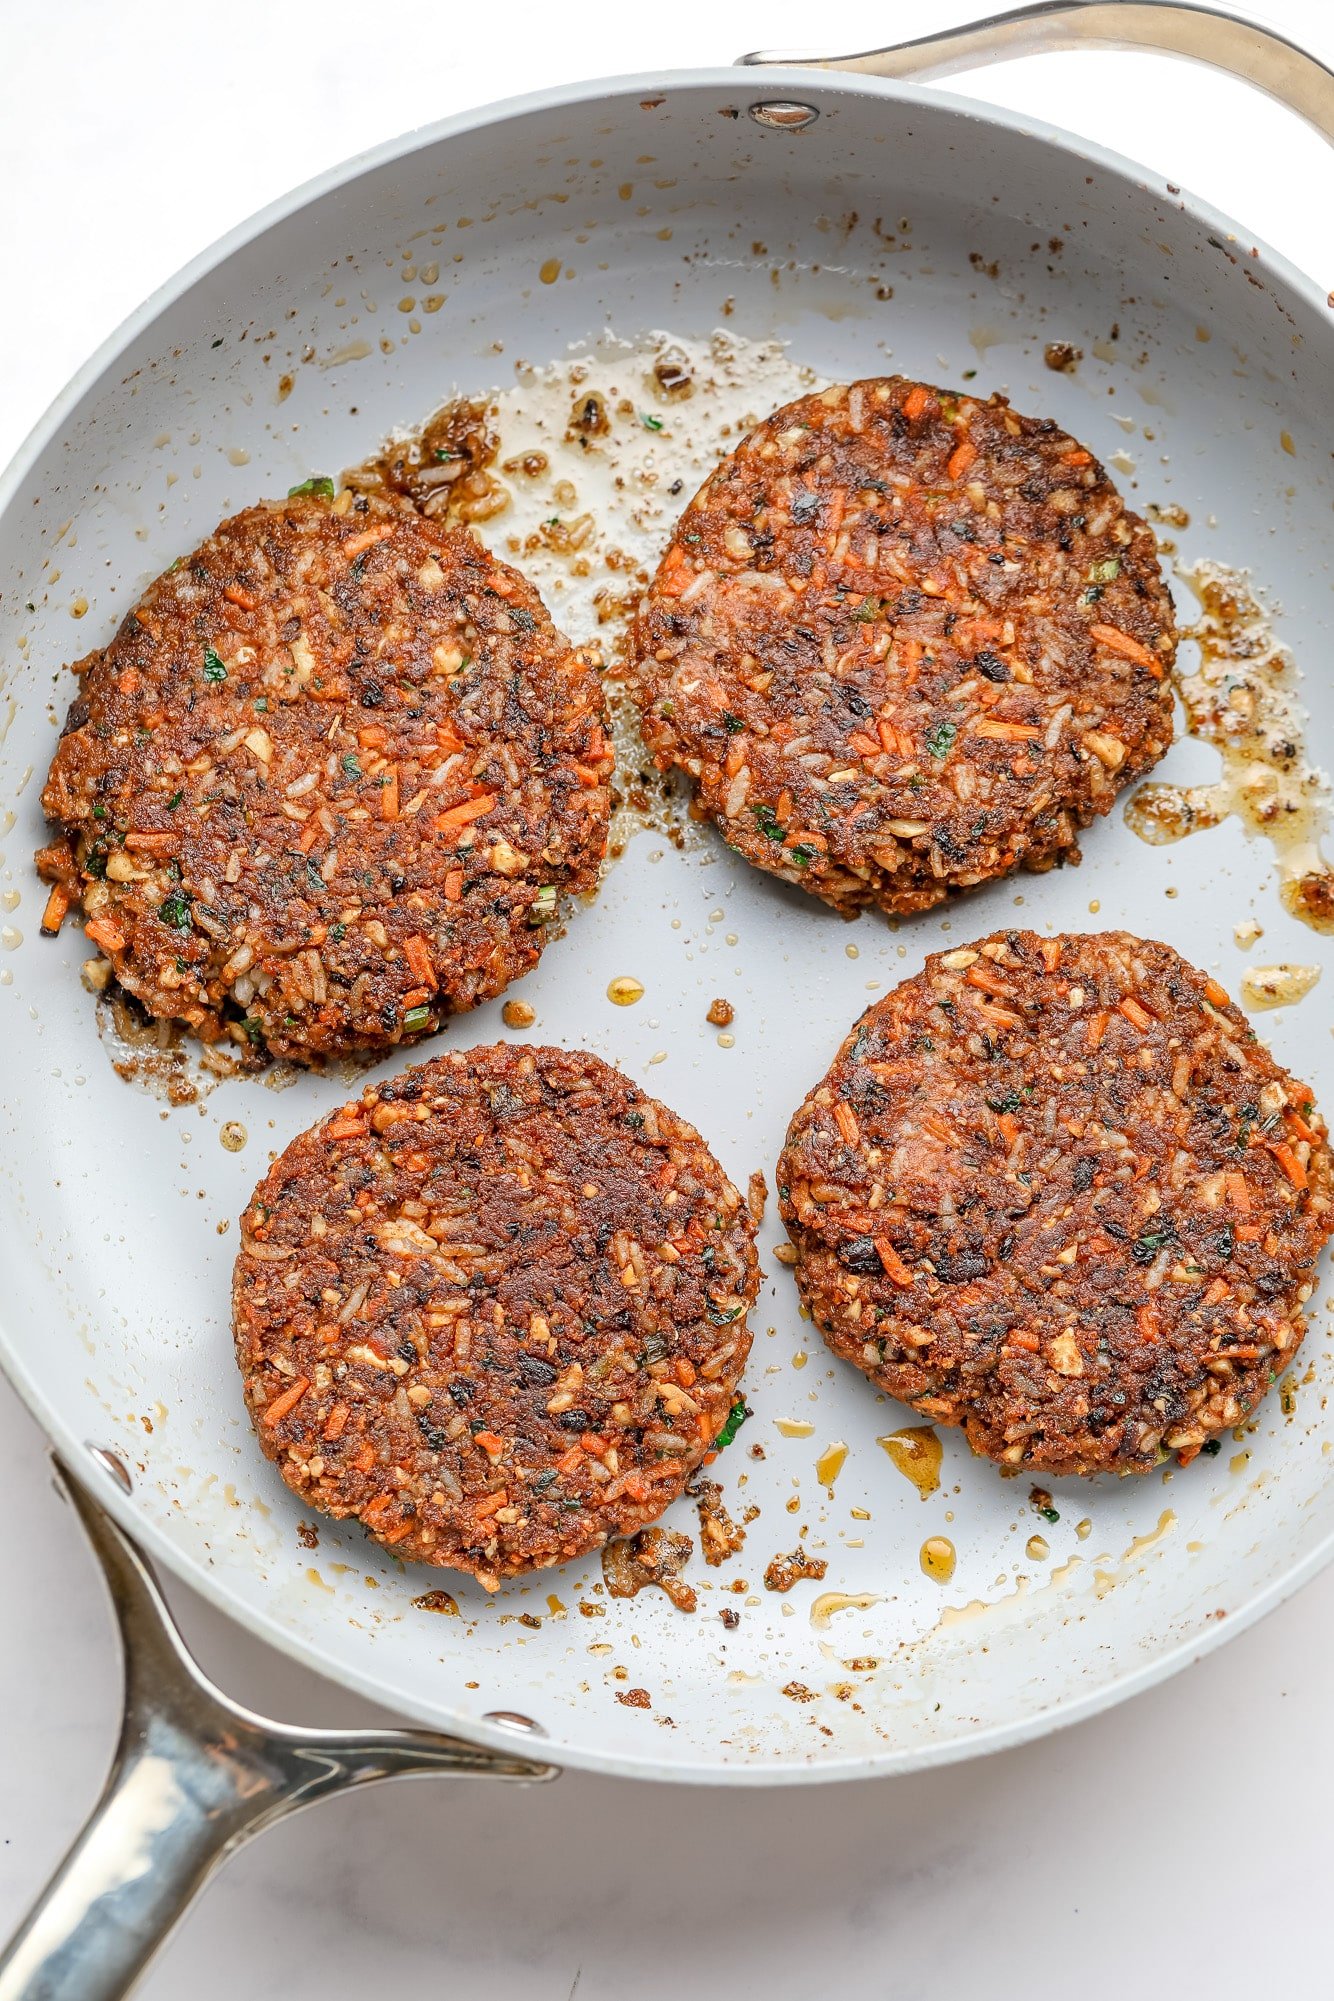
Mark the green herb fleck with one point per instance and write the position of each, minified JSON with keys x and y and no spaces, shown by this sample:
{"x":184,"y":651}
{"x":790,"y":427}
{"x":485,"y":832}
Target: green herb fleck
{"x":174,"y":801}
{"x":416,"y":1017}
{"x":1050,"y":1514}
{"x":732,"y":724}
{"x":1213,"y":1446}
{"x":351,"y":764}
{"x":767,"y":821}
{"x":214,"y":667}
{"x":868,"y":609}
{"x":1102,"y":573}
{"x":543,"y":907}
{"x":318,"y":483}
{"x":337,"y":932}
{"x":650,"y":423}
{"x":736,"y":1417}
{"x":939,"y":739}
{"x":175,"y":910}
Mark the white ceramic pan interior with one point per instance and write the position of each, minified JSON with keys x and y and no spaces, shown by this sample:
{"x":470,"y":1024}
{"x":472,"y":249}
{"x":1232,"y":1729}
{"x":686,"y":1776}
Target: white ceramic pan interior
{"x":903,"y":230}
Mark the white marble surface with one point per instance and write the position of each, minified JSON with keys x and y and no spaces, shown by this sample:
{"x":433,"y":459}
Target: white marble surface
{"x":1179,"y":1839}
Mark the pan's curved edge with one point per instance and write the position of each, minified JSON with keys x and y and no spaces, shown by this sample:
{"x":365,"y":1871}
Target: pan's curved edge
{"x":1264,"y":263}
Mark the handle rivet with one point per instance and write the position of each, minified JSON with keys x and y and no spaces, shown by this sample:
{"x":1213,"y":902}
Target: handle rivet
{"x":512,"y":1720}
{"x":784,"y":115}
{"x":112,"y":1463}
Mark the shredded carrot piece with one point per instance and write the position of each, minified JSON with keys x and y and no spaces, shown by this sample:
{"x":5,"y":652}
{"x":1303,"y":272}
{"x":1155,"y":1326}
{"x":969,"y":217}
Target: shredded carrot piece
{"x":57,"y":904}
{"x":704,"y":1426}
{"x":1289,"y":1162}
{"x":309,"y":835}
{"x":568,"y":1462}
{"x":151,"y":844}
{"x":846,"y":1123}
{"x":481,"y":1509}
{"x":1003,"y":1017}
{"x":417,"y":953}
{"x":1235,"y":1183}
{"x":372,"y":736}
{"x":391,"y":1536}
{"x":366,"y":540}
{"x":1116,"y":641}
{"x":1077,"y":458}
{"x":915,"y":402}
{"x":128,"y":680}
{"x":961,"y":458}
{"x":863,"y":745}
{"x":1133,"y":1011}
{"x":389,"y":795}
{"x":454,"y":885}
{"x":337,"y":1421}
{"x":365,"y":1459}
{"x":459,"y":816}
{"x":1097,"y":1027}
{"x":988,"y":981}
{"x":992,"y":726}
{"x":289,"y":1399}
{"x":1050,"y":948}
{"x":1019,"y":1337}
{"x":1213,"y":992}
{"x":1146,"y":1319}
{"x":1009,"y":1126}
{"x":489,"y":1441}
{"x":1217,"y":1289}
{"x":345,"y":1129}
{"x":684,"y":1371}
{"x":894,"y":1266}
{"x":1296,"y":1123}
{"x":108,"y":936}
{"x":235,"y":595}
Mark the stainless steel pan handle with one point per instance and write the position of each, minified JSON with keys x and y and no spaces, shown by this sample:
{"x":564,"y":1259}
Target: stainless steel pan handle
{"x":1259,"y":56}
{"x":194,"y":1777}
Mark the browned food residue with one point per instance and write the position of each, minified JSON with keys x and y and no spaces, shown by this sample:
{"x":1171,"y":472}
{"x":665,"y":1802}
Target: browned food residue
{"x":757,"y":1195}
{"x":721,"y":1013}
{"x":444,"y":469}
{"x":1061,"y":356}
{"x":635,"y":1698}
{"x":1242,"y":699}
{"x":437,"y":1601}
{"x":654,"y":1556}
{"x":719,"y":1536}
{"x":785,"y":1571}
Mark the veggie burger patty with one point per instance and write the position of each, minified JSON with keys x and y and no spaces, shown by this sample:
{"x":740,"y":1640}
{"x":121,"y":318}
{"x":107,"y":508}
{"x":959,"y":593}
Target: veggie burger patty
{"x":904,"y":641}
{"x":328,"y":780}
{"x":495,"y":1309}
{"x":1053,"y":1190}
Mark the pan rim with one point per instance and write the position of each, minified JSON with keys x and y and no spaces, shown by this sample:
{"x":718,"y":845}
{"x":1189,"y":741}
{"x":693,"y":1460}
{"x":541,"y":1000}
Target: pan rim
{"x":1286,"y":279}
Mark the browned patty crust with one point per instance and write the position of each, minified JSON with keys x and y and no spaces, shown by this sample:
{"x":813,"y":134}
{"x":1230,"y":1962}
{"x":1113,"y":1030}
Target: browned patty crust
{"x":495,"y":1309}
{"x":326,"y":782}
{"x":905,"y":640}
{"x":1053,"y":1190}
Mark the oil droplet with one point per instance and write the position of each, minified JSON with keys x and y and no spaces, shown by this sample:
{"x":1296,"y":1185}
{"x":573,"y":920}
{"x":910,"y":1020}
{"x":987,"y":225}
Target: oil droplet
{"x":1094,"y":907}
{"x":79,"y":608}
{"x":1276,"y":986}
{"x":238,"y":456}
{"x":1084,"y":1529}
{"x":1285,"y":439}
{"x":11,"y":899}
{"x":1036,"y":1548}
{"x":793,"y":1427}
{"x":313,"y":1577}
{"x":554,"y":1605}
{"x":1238,"y":1462}
{"x":1166,"y":1521}
{"x":518,"y":1014}
{"x":852,"y":951}
{"x":233,"y":1135}
{"x":624,"y":991}
{"x":550,"y":271}
{"x":10,"y":937}
{"x":1246,"y":932}
{"x":824,"y":1607}
{"x":830,"y":1463}
{"x":800,"y":1359}
{"x":937,"y":1558}
{"x":916,"y":1451}
{"x":438,"y":1601}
